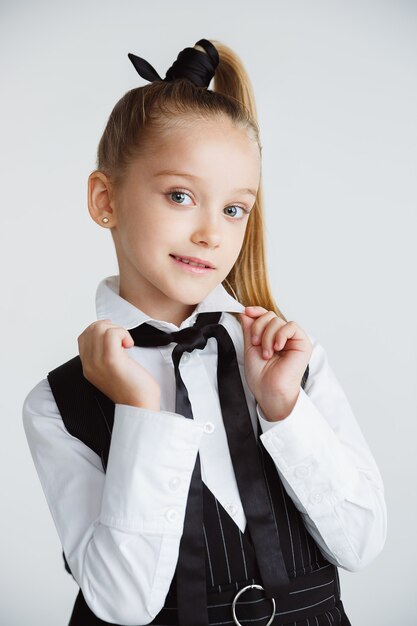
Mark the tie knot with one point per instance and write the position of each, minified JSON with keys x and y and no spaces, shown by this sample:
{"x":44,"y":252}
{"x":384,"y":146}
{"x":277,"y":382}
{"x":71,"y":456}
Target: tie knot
{"x":191,"y":338}
{"x":188,"y":339}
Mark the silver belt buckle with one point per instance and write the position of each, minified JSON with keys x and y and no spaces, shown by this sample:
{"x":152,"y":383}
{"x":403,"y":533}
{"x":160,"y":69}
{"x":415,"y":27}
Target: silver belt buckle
{"x":239,"y":593}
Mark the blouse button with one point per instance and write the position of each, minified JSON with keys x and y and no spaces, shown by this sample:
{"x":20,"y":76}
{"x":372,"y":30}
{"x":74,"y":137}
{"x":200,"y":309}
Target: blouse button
{"x":231,"y":509}
{"x":171,"y":515}
{"x":209,"y":427}
{"x":301,"y":471}
{"x":316,"y":498}
{"x":174,"y":483}
{"x":185,"y":357}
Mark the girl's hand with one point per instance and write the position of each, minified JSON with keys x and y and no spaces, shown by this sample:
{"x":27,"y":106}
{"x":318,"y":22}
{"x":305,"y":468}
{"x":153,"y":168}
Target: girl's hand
{"x":276,"y":356}
{"x":107,"y":365}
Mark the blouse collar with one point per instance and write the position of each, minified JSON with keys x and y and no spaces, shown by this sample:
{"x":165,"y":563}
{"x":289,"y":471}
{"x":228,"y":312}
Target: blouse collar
{"x":110,"y":305}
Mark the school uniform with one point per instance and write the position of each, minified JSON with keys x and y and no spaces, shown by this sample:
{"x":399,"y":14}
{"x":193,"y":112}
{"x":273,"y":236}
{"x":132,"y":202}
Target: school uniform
{"x":118,"y":497}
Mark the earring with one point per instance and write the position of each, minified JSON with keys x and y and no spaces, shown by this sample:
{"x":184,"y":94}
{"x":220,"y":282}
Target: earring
{"x":105,"y":219}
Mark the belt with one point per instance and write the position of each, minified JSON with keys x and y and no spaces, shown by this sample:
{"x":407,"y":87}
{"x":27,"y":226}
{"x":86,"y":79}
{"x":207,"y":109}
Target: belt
{"x":239,"y":603}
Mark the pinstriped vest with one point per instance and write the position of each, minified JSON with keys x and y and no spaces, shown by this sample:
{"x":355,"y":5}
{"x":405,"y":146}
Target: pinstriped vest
{"x":88,"y":414}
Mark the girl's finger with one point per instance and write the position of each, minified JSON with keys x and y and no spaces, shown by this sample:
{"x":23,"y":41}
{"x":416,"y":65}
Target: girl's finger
{"x":255,"y":311}
{"x":259,"y":325}
{"x":291,"y":330}
{"x":113,"y":339}
{"x":269,"y":336}
{"x":95,"y":338}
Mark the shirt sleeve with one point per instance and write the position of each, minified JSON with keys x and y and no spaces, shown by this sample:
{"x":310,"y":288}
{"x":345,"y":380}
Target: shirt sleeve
{"x":328,"y":470}
{"x":120,"y":530}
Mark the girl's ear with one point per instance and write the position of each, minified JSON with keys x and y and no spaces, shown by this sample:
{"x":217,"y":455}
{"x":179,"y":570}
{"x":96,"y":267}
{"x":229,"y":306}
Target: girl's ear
{"x":99,"y":199}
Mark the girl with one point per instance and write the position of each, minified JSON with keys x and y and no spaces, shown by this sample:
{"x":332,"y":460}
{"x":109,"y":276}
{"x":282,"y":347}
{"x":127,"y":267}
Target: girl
{"x":200,"y":460}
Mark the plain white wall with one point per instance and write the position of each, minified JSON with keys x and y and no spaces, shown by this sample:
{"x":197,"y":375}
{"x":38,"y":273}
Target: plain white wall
{"x":336,"y":89}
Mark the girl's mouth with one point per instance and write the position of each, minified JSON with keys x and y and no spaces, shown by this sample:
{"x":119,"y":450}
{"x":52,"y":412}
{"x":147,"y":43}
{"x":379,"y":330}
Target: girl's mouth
{"x":191,"y":266}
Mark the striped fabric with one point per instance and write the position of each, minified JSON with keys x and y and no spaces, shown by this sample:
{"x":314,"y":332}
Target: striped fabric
{"x":314,"y":597}
{"x":231,"y":565}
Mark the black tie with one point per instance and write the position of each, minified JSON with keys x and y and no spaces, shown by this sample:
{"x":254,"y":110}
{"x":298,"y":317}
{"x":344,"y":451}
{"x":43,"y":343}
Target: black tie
{"x":191,"y":572}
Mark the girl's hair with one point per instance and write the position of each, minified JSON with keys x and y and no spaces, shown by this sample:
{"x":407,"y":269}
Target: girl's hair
{"x":145,"y":113}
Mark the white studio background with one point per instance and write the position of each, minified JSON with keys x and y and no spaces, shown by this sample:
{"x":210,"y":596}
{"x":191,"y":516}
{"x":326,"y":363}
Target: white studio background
{"x":336,"y":89}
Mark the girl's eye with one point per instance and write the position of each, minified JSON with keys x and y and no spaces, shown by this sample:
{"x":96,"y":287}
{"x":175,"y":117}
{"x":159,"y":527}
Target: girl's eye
{"x":234,"y":206}
{"x":178,"y":195}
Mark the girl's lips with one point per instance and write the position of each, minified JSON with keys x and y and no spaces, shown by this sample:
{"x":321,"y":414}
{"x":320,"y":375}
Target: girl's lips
{"x":194,"y":269}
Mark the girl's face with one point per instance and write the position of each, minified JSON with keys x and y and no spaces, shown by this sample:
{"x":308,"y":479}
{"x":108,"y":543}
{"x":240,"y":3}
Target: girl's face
{"x":189,"y":197}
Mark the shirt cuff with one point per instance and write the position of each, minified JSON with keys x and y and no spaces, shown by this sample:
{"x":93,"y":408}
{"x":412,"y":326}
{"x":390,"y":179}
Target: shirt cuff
{"x":310,"y":458}
{"x":151,"y":459}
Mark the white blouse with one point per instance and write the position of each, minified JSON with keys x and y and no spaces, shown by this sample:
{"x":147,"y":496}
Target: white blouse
{"x":121,"y":530}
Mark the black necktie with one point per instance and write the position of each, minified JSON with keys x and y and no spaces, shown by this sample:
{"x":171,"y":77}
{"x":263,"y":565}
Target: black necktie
{"x":191,"y":573}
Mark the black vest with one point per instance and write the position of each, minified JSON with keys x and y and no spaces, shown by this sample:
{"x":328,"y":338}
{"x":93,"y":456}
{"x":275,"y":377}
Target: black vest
{"x":88,"y":414}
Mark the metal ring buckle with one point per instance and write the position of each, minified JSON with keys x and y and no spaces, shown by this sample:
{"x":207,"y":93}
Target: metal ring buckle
{"x":239,"y":593}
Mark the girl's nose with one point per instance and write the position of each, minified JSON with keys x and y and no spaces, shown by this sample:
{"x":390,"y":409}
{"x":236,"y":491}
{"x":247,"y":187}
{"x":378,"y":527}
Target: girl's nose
{"x":207,"y":232}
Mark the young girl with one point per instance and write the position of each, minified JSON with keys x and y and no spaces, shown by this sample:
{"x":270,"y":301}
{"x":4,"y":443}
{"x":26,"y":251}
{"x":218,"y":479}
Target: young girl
{"x":200,"y":460}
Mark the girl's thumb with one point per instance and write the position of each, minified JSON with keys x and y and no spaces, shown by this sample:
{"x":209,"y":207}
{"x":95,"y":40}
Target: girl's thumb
{"x":127,"y":341}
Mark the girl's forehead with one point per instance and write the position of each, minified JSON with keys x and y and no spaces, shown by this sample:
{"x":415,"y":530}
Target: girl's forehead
{"x":205,"y":164}
{"x":201,"y":151}
{"x":183,"y":128}
{"x":205,"y":143}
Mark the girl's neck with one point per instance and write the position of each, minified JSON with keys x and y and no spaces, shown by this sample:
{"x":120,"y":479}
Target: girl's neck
{"x":162,"y":309}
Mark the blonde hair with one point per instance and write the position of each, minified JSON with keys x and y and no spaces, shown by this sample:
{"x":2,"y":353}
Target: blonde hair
{"x":146,"y":112}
